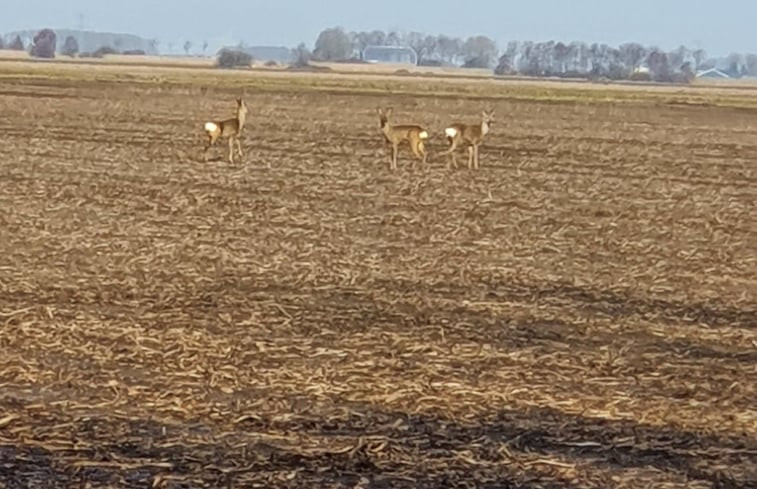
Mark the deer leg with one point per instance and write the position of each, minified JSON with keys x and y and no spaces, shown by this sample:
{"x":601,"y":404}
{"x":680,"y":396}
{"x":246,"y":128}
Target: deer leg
{"x":231,"y":150}
{"x":450,"y":151}
{"x":417,"y":147}
{"x":394,"y":157}
{"x":475,"y":152}
{"x":239,"y":148}
{"x":470,"y":157}
{"x":422,"y":148}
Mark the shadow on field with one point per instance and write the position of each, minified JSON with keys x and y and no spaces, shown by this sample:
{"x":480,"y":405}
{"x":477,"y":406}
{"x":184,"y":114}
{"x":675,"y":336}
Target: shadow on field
{"x":387,"y":449}
{"x":611,"y":303}
{"x":625,"y":304}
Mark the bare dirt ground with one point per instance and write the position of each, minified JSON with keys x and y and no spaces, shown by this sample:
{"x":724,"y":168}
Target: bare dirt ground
{"x":580,"y":313}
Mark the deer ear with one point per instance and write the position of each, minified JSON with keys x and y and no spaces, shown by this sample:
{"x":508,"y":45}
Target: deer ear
{"x":379,"y":111}
{"x":388,"y":112}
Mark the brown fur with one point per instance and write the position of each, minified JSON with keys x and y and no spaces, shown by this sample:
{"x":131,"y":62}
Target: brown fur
{"x":471,"y":135}
{"x":395,"y":135}
{"x":229,"y":128}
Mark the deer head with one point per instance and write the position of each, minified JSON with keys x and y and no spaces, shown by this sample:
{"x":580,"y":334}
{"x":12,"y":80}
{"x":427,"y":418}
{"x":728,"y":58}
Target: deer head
{"x":384,"y":115}
{"x":241,"y":107}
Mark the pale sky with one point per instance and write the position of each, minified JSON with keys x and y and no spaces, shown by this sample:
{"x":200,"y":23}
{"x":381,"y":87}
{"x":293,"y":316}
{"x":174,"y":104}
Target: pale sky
{"x":719,"y":27}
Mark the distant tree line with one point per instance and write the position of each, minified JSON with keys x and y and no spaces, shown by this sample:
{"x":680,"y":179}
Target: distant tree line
{"x":335,"y":44}
{"x":45,"y":43}
{"x":738,"y":65}
{"x":539,"y":59}
{"x":542,"y":59}
{"x":16,"y":44}
{"x":578,"y":59}
{"x":627,"y":61}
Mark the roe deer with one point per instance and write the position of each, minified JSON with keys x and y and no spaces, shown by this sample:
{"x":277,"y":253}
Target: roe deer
{"x":229,"y":128}
{"x":470,"y":134}
{"x":415,"y":136}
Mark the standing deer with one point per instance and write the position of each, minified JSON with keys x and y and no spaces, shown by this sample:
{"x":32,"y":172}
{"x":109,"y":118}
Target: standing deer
{"x":229,"y":128}
{"x":470,"y":134}
{"x":415,"y":136}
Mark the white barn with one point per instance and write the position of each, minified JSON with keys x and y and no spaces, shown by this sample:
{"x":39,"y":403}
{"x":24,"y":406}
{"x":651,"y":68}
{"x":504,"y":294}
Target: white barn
{"x":713,"y":73}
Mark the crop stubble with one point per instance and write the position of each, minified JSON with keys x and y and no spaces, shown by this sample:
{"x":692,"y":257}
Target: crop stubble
{"x":578,"y":313}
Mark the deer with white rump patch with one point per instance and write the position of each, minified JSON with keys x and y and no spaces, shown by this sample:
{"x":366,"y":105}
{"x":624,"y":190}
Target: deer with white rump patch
{"x":415,"y":136}
{"x":229,"y":128}
{"x":468,"y":134}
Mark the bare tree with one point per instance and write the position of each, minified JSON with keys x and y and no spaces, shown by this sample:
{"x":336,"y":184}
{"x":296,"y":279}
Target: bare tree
{"x":687,"y":72}
{"x":358,"y":41}
{"x":394,"y":38}
{"x":423,"y":45}
{"x":699,"y":56}
{"x":527,"y":63}
{"x":546,"y":52}
{"x":582,"y":63}
{"x":678,"y":57}
{"x":632,"y":54}
{"x":512,"y":48}
{"x":598,"y":56}
{"x":204,"y":47}
{"x":561,"y":52}
{"x":750,"y":61}
{"x":44,"y":44}
{"x":659,"y":65}
{"x":480,"y":52}
{"x":376,"y":38}
{"x":187,"y":47}
{"x":17,"y":44}
{"x":736,"y":65}
{"x":302,"y":55}
{"x":333,"y":44}
{"x":363,"y":39}
{"x":449,"y":48}
{"x":70,"y":46}
{"x":616,"y":68}
{"x":506,"y":64}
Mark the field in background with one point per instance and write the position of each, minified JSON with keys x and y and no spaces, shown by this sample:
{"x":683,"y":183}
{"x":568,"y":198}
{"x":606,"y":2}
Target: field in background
{"x":368,"y":69}
{"x":580,"y":313}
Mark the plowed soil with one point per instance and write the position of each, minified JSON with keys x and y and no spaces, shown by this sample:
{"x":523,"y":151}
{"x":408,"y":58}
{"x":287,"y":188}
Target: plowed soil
{"x":581,"y":312}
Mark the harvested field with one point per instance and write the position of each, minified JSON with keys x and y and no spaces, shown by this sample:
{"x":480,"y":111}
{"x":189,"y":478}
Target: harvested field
{"x":580,"y":313}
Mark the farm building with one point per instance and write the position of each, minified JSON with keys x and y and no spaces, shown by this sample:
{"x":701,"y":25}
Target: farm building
{"x":713,"y":73}
{"x":390,"y":54}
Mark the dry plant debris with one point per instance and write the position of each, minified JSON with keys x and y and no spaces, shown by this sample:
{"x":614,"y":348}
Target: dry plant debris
{"x":581,"y":313}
